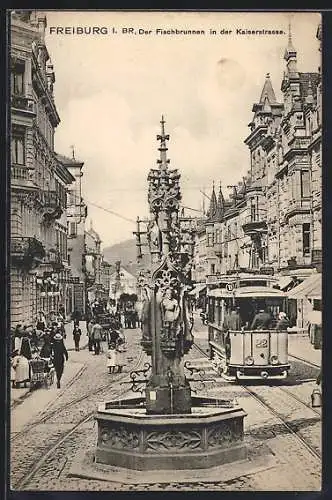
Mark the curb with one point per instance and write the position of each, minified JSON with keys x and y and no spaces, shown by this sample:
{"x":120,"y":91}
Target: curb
{"x":19,"y":400}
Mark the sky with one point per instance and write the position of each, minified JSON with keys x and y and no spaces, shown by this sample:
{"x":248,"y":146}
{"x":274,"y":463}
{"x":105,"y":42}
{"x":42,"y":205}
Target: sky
{"x":111,"y":90}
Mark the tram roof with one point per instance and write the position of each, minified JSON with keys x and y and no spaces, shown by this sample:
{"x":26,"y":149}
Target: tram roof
{"x":247,"y":291}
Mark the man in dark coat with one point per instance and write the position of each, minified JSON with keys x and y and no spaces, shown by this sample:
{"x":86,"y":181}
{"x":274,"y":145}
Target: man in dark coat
{"x":261,"y":321}
{"x":60,"y":354}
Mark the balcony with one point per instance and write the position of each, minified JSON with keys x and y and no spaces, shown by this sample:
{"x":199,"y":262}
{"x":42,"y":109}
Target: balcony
{"x":26,"y":252}
{"x":254,"y":223}
{"x":22,"y":177}
{"x":53,"y":207}
{"x":54,"y":258}
{"x":296,"y":145}
{"x":218,"y":248}
{"x":297,"y":207}
{"x":23,"y":103}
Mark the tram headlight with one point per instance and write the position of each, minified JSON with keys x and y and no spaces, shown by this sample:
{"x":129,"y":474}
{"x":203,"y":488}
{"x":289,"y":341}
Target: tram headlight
{"x":249,"y":360}
{"x":274,"y":360}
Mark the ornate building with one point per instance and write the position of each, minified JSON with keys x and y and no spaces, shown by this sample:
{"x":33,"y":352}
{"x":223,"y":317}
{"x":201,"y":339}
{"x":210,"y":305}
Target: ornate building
{"x":93,"y":259}
{"x":38,"y":182}
{"x":272,"y":220}
{"x":76,"y":216}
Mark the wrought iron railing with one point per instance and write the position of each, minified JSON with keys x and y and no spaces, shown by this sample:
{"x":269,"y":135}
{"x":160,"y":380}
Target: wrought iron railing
{"x":23,"y":103}
{"x":26,"y":250}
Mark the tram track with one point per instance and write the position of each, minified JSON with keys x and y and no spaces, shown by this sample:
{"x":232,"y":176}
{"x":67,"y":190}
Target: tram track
{"x":287,"y":424}
{"x":48,"y":415}
{"x":48,"y":451}
{"x":305,"y":361}
{"x":39,"y":463}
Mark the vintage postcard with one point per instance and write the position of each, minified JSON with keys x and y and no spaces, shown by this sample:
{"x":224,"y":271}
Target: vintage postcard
{"x":165,"y":250}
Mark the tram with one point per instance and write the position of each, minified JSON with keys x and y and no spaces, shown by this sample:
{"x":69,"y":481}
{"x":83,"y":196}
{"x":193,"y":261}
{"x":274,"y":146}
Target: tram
{"x":241,"y":352}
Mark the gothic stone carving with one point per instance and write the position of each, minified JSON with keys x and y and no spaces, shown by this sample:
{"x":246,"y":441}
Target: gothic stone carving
{"x":225,"y":433}
{"x":170,"y":441}
{"x":119,"y":438}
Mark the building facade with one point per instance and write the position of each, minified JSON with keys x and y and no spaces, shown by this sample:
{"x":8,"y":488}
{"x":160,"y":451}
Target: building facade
{"x":38,"y":183}
{"x":93,"y":260}
{"x":122,"y":281}
{"x":272,"y":220}
{"x":76,"y":217}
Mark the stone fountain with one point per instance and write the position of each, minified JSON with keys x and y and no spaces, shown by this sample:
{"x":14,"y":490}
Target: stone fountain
{"x":169,"y":428}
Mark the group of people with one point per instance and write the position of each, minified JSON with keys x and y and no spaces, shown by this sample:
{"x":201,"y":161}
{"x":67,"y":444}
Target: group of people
{"x":115,"y":352}
{"x":48,"y":346}
{"x":261,"y":321}
{"x":42,"y":340}
{"x":114,"y":338}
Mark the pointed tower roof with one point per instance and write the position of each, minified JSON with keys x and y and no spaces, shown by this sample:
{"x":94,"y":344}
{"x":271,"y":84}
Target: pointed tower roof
{"x":220,"y":205}
{"x":268,"y":94}
{"x":290,"y":50}
{"x":213,"y":205}
{"x":163,"y":160}
{"x":221,"y":200}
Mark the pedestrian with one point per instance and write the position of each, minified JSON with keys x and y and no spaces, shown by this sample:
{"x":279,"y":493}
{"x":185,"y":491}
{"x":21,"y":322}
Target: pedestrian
{"x":76,"y":317}
{"x":283,"y":322}
{"x":41,"y":321}
{"x":60,"y":354}
{"x":77,"y":332}
{"x":119,"y":356}
{"x":114,"y":336}
{"x":26,"y":347}
{"x":262,"y":320}
{"x":21,"y":367}
{"x":111,"y":357}
{"x":62,"y":311}
{"x":90,"y":335}
{"x":97,"y":334}
{"x":46,"y":350}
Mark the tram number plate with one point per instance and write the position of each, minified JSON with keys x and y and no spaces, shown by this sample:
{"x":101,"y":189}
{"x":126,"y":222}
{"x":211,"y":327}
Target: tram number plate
{"x":261,"y":343}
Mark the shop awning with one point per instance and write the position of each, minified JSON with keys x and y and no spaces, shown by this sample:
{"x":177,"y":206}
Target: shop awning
{"x":197,"y":290}
{"x":284,"y":282}
{"x":310,"y":288}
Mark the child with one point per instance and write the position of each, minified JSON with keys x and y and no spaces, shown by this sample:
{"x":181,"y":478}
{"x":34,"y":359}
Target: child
{"x":111,"y":358}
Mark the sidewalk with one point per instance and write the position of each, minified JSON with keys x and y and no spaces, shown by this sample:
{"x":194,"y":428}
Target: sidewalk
{"x":299,"y":346}
{"x":71,"y":369}
{"x":27,"y":405}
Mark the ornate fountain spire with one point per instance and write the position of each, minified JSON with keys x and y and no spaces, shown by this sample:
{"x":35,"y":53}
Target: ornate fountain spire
{"x":163,"y":161}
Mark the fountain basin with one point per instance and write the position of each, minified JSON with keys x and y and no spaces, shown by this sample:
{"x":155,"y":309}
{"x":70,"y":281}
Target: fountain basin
{"x":128,"y":437}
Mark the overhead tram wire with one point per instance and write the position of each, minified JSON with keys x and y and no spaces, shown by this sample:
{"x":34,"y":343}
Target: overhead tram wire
{"x":112,"y":212}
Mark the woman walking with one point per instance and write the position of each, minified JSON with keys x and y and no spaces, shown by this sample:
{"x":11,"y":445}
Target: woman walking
{"x":77,"y":332}
{"x":60,"y":354}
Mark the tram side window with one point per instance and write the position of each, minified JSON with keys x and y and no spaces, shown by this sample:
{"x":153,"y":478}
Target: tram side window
{"x":211,"y":311}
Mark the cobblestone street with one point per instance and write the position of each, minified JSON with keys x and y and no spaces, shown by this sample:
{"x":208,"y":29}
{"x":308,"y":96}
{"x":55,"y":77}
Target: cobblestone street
{"x":46,"y":441}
